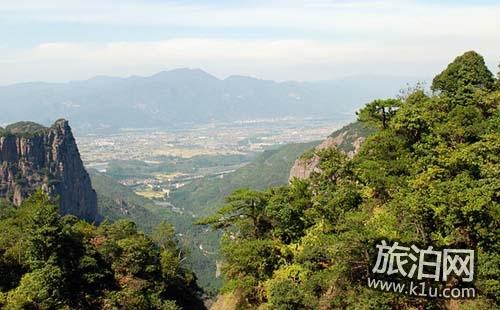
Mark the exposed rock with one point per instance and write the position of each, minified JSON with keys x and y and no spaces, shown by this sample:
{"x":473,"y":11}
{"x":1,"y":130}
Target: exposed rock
{"x":303,"y":167}
{"x":348,"y":140}
{"x":32,"y":157}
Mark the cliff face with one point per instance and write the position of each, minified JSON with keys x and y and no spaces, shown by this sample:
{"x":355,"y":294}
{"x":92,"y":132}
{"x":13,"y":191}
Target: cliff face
{"x":32,"y":157}
{"x":348,"y":140}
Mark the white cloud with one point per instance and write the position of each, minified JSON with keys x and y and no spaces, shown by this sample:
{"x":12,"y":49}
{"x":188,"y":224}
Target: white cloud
{"x":393,"y":17}
{"x":330,"y":38}
{"x":272,"y":59}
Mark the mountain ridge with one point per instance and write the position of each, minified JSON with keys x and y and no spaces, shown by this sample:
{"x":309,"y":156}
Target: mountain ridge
{"x":185,"y":96}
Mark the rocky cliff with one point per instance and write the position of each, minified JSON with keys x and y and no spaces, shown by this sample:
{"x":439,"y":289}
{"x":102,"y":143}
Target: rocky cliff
{"x":348,"y":140}
{"x":33,"y":156}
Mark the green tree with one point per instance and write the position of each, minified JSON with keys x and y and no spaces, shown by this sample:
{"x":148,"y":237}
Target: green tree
{"x":430,"y":177}
{"x":379,"y":112}
{"x":287,"y":295}
{"x":245,"y":211}
{"x":44,"y":230}
{"x":164,"y":236}
{"x":465,"y":73}
{"x":413,"y":119}
{"x":286,"y":210}
{"x":52,"y":262}
{"x":39,"y":289}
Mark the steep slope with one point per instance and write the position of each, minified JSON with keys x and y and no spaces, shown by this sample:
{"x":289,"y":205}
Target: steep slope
{"x":428,"y":178}
{"x":32,"y":157}
{"x":117,"y":201}
{"x":269,"y":169}
{"x":348,"y":139}
{"x":206,"y":196}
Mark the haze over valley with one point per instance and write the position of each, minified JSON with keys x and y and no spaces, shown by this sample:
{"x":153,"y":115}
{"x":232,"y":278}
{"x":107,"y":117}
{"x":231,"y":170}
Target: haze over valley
{"x":187,"y":97}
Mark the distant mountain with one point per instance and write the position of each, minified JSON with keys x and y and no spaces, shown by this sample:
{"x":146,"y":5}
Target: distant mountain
{"x":33,"y":156}
{"x":181,"y":96}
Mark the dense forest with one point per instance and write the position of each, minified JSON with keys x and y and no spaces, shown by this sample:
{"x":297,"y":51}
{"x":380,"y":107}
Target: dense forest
{"x":53,"y":262}
{"x":429,"y":175}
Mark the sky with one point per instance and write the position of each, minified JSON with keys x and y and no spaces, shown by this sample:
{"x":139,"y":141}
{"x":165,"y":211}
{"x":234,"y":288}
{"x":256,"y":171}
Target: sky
{"x":63,"y":40}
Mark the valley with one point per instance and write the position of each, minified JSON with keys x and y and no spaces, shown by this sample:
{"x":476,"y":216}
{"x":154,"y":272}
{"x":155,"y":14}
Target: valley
{"x":182,"y":175}
{"x":249,"y":155}
{"x":154,"y":162}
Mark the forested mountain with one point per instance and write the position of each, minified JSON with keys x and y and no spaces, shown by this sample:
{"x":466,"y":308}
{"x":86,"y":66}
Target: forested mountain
{"x":181,"y":96}
{"x":196,"y":199}
{"x":429,"y":176}
{"x":53,"y":262}
{"x":205,"y":196}
{"x":50,"y":258}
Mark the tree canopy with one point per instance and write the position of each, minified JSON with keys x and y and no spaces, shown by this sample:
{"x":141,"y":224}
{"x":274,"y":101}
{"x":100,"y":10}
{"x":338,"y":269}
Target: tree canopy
{"x":429,"y":176}
{"x":53,"y":262}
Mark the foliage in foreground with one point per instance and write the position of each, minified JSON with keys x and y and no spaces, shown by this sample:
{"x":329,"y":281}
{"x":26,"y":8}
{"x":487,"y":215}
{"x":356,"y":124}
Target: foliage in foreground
{"x":53,"y":262}
{"x":430,"y":175}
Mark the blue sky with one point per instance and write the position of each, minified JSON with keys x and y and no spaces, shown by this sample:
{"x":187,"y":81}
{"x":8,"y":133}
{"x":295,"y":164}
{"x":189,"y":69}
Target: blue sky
{"x":60,"y":40}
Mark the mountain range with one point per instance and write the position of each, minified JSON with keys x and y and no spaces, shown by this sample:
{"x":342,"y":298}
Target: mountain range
{"x":185,"y":96}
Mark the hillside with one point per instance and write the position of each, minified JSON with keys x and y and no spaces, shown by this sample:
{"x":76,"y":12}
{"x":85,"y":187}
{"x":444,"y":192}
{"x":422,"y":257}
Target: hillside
{"x":347,"y":139}
{"x":268,"y":169}
{"x":186,"y":96}
{"x":424,"y":185}
{"x":200,"y":198}
{"x":205,"y":196}
{"x":48,"y":261}
{"x":195,"y":200}
{"x":116,"y":201}
{"x":50,"y":258}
